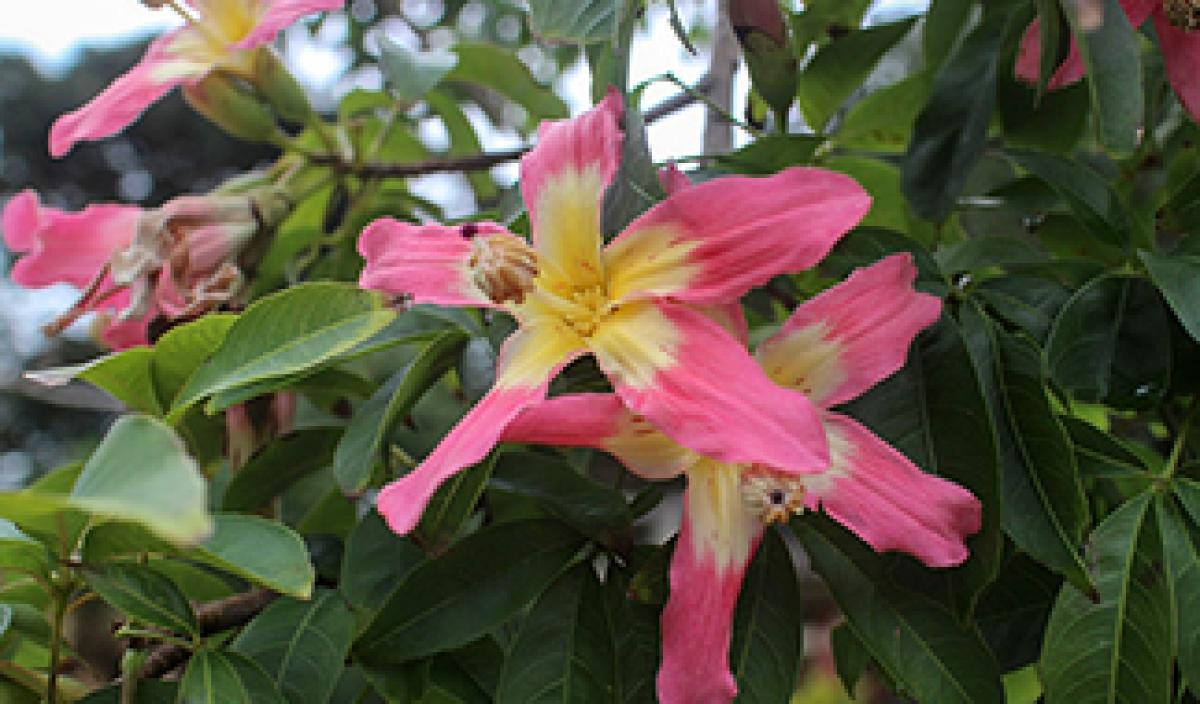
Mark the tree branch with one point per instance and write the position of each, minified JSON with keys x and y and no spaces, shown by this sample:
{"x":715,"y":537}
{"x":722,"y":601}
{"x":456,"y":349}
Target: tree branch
{"x":213,"y":617}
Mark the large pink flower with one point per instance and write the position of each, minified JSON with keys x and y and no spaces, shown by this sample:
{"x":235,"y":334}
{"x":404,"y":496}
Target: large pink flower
{"x":220,"y":34}
{"x":175,"y":261}
{"x":833,"y":348}
{"x":624,"y":303}
{"x":1174,"y":22}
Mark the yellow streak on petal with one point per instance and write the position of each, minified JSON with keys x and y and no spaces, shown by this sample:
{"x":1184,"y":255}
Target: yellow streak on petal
{"x":651,"y":260}
{"x":841,"y":458}
{"x":567,"y":226}
{"x":229,"y":19}
{"x":634,"y":342}
{"x":532,"y":352}
{"x":646,"y":451}
{"x":806,"y":360}
{"x":724,"y":524}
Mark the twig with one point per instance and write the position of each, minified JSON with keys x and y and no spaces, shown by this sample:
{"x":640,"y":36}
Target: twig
{"x":479,"y":162}
{"x":213,"y":617}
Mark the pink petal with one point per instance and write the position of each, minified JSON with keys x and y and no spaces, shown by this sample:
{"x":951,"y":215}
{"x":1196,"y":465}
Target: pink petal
{"x":887,"y":501}
{"x":690,"y":379}
{"x":851,"y":336}
{"x":528,"y":360}
{"x":119,"y":334}
{"x":602,"y":422}
{"x":280,"y":14}
{"x":124,"y":99}
{"x":716,"y":543}
{"x":590,"y":142}
{"x":62,"y":247}
{"x":431,"y":263}
{"x":1181,"y":54}
{"x":716,"y":240}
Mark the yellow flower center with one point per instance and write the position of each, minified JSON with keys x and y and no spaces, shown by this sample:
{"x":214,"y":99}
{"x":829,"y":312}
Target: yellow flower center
{"x":580,"y":308}
{"x":1184,"y":14}
{"x":772,"y":496}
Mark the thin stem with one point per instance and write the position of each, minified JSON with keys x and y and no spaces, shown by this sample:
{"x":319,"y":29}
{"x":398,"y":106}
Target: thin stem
{"x":1181,"y":439}
{"x":473,"y":162}
{"x":56,"y":636}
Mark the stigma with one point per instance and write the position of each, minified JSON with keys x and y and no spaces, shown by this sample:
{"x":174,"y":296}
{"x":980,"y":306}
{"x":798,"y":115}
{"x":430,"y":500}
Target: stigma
{"x":772,"y":496}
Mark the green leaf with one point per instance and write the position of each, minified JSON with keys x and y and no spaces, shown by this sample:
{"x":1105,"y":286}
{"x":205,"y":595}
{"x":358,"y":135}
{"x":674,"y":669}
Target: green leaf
{"x":296,"y":330}
{"x":918,"y":643}
{"x":841,"y":66}
{"x":772,"y":66}
{"x":1183,"y":562}
{"x":476,"y":585}
{"x":636,"y":186}
{"x":951,"y":131}
{"x":146,"y":596}
{"x":262,"y":551}
{"x":1054,"y":122}
{"x":301,"y":644}
{"x":771,"y":153}
{"x":935,"y":412}
{"x":452,"y":505}
{"x":1116,"y":648}
{"x":585,"y":21}
{"x":499,"y":69}
{"x":182,"y":349}
{"x":883,"y":120}
{"x":126,"y":375}
{"x":1013,"y":611}
{"x":223,"y":677}
{"x":375,"y":562}
{"x":141,"y":474}
{"x":285,"y":461}
{"x":1086,"y":193}
{"x":360,"y":447}
{"x":1178,"y":277}
{"x":1045,"y":512}
{"x":850,"y":657}
{"x":21,"y":553}
{"x":463,"y":141}
{"x":1028,"y":302}
{"x":593,"y":509}
{"x":563,"y":651}
{"x":1108,"y":343}
{"x":412,"y":73}
{"x":1100,"y":454}
{"x":944,"y":25}
{"x":768,"y":626}
{"x":1114,"y":69}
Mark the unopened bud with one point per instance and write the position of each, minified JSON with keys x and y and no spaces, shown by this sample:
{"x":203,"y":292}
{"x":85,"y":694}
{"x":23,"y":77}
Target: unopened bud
{"x":277,"y":84}
{"x":759,"y":16}
{"x":230,"y":105}
{"x":760,"y":29}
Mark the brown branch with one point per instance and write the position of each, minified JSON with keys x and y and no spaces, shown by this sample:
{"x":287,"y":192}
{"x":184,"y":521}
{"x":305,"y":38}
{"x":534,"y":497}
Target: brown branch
{"x":479,"y":162}
{"x":213,"y":617}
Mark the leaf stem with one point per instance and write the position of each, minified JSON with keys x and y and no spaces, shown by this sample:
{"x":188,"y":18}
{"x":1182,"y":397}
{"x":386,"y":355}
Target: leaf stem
{"x":56,"y":636}
{"x":1181,"y":437}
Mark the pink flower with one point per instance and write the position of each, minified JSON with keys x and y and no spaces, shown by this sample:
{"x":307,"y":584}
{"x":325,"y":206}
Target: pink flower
{"x":622,"y":302}
{"x":1175,"y":23}
{"x":220,"y":35}
{"x":833,"y":348}
{"x":175,"y":261}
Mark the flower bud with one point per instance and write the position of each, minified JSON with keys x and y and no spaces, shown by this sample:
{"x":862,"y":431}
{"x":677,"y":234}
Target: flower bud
{"x":760,"y":29}
{"x":275,"y":83}
{"x":229,"y":104}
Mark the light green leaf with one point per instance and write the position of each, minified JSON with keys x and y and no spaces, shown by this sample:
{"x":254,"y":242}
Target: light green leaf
{"x":584,"y":21}
{"x":296,"y":330}
{"x":499,"y":69}
{"x":262,"y":551}
{"x":126,"y":375}
{"x":412,"y":73}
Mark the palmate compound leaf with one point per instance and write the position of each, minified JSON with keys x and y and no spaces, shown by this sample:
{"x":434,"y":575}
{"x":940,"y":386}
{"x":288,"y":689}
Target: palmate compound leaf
{"x":1117,"y":648}
{"x":920,"y":645}
{"x":1045,"y":512}
{"x":935,"y":412}
{"x":301,"y":644}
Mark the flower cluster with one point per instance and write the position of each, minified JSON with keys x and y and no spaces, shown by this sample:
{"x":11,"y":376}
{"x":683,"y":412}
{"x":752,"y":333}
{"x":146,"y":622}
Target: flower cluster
{"x":658,"y":308}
